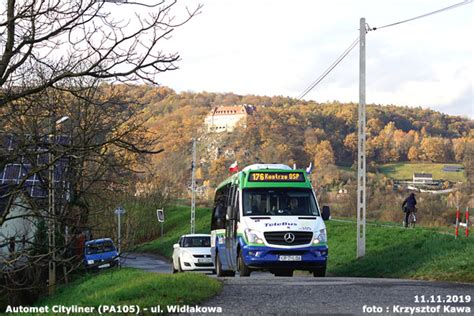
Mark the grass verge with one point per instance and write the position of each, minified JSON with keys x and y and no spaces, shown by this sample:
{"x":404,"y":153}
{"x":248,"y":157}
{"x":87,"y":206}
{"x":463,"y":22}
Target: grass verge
{"x":135,"y":287}
{"x":395,"y":252}
{"x":177,"y":223}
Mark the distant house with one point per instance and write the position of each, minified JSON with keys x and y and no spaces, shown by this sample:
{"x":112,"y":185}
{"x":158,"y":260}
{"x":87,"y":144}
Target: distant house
{"x":422,"y":178}
{"x":24,"y":194}
{"x":226,"y":118}
{"x":17,"y":221}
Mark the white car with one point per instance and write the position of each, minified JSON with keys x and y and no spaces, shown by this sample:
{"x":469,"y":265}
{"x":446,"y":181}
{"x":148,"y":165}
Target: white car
{"x":193,"y":252}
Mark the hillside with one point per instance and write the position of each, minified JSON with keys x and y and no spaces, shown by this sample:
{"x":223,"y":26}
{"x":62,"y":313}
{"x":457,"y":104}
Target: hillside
{"x":284,"y":130}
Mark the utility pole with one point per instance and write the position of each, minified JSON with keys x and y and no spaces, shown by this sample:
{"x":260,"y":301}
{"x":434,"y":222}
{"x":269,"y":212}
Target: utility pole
{"x":193,"y":189}
{"x":361,"y":162}
{"x":119,"y":211}
{"x":51,"y":212}
{"x":52,"y":203}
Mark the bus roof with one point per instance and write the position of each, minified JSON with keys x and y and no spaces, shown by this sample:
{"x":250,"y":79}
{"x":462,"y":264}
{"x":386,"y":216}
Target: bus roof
{"x":268,"y":177}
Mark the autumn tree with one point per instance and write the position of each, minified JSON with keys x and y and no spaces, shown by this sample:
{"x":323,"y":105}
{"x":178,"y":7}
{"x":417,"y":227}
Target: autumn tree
{"x":351,"y":145}
{"x":434,"y":149}
{"x":413,"y":153}
{"x":95,"y":152}
{"x":53,"y":56}
{"x":460,"y":146}
{"x":325,"y":171}
{"x":47,"y":42}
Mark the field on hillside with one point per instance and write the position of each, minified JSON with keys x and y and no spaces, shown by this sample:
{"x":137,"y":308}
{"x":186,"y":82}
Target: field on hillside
{"x":403,"y":171}
{"x":392,"y":251}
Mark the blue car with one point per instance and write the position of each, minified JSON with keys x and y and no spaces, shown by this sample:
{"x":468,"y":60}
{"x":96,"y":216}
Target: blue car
{"x":100,"y":254}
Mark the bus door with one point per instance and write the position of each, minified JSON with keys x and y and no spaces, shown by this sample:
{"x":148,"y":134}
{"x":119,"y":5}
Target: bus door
{"x":231,"y":228}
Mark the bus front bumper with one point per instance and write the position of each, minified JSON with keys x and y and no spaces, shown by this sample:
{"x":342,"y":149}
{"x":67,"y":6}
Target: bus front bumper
{"x":302,"y":258}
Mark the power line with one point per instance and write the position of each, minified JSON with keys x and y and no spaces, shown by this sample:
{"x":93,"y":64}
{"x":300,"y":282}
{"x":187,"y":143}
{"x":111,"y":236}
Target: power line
{"x":423,"y":15}
{"x":347,"y":51}
{"x":327,"y":71}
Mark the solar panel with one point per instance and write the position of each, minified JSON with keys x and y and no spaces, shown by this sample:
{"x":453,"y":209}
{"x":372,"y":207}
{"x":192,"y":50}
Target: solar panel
{"x":37,"y":184}
{"x":43,"y":159}
{"x":63,"y":140}
{"x":11,"y":173}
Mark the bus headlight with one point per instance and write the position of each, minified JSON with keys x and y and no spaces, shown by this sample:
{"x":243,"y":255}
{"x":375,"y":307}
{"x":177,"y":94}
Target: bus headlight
{"x":254,"y":236}
{"x":320,"y":237}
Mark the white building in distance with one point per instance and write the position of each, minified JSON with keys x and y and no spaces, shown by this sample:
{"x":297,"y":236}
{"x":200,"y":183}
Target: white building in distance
{"x":226,"y":118}
{"x":422,"y":178}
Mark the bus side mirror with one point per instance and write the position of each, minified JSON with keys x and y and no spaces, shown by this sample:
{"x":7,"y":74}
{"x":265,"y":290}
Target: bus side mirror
{"x":326,"y":212}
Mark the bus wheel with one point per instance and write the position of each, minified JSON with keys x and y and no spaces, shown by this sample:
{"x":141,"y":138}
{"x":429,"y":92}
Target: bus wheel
{"x":244,"y":270}
{"x":320,"y":273}
{"x":284,"y":273}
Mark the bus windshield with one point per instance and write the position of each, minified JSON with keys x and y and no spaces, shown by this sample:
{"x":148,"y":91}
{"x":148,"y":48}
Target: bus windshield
{"x":279,"y":201}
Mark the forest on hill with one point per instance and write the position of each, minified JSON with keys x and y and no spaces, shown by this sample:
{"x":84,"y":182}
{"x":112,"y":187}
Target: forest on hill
{"x":286,"y":131}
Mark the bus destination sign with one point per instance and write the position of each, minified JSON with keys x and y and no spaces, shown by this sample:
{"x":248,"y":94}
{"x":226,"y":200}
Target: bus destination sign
{"x":272,"y":176}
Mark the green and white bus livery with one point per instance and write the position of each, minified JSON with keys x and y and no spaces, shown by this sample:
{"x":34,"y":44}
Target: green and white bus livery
{"x":266,"y":217}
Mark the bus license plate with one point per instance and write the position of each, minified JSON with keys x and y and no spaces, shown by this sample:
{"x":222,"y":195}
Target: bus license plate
{"x":289,"y":258}
{"x":205,"y":260}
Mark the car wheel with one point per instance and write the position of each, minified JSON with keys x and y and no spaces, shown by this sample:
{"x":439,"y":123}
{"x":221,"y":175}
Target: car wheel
{"x":244,"y":270}
{"x":179,"y":266}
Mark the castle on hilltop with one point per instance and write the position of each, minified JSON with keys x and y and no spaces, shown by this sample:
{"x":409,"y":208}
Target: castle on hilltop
{"x":226,"y":118}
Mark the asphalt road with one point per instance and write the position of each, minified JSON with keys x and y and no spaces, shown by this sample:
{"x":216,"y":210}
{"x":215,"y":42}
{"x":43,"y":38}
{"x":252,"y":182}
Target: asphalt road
{"x":264,"y":294}
{"x":147,"y":262}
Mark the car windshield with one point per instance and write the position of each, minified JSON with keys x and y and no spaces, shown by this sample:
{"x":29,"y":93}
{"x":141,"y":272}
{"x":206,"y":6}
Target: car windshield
{"x":279,"y":201}
{"x":105,"y":246}
{"x":203,"y":241}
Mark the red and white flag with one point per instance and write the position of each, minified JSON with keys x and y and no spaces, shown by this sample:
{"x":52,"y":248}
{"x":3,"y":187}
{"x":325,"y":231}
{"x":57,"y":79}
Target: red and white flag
{"x":234,"y":167}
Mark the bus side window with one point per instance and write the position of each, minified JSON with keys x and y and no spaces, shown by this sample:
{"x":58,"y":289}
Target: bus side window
{"x":218,"y":213}
{"x":219,"y":217}
{"x":237,"y":207}
{"x":232,"y":198}
{"x":235,"y":203}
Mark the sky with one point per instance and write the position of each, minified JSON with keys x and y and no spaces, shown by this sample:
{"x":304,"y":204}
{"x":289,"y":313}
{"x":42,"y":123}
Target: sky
{"x":275,"y":47}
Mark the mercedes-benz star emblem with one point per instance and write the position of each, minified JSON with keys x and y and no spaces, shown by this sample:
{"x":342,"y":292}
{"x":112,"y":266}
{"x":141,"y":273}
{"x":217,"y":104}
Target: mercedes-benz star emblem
{"x":289,"y":238}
